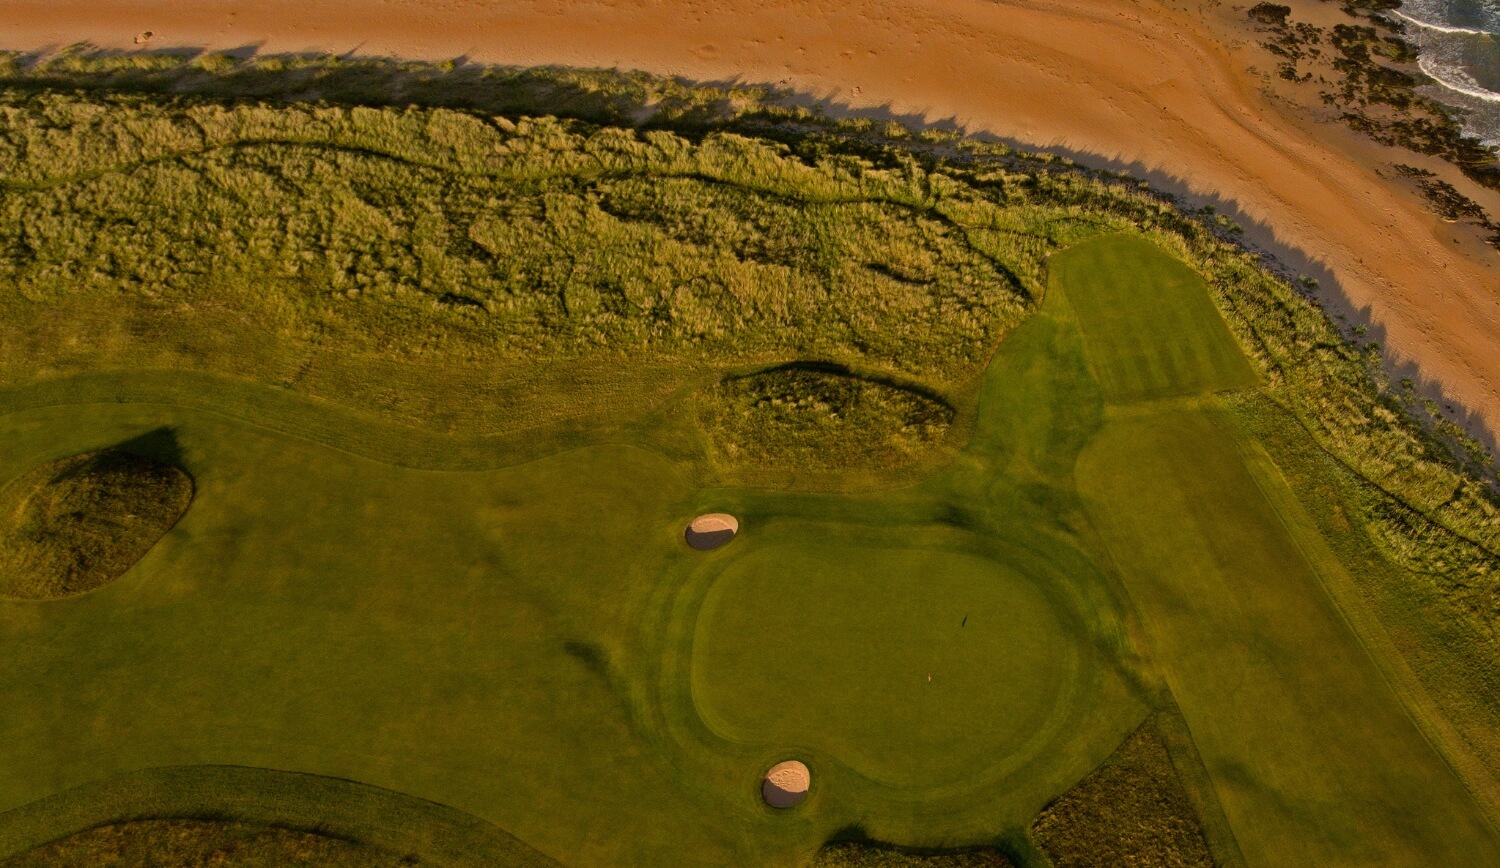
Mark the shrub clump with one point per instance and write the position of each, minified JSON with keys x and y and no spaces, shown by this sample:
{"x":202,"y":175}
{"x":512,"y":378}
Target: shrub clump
{"x":1132,"y":810}
{"x":77,"y":524}
{"x":821,"y":419}
{"x":857,"y":855}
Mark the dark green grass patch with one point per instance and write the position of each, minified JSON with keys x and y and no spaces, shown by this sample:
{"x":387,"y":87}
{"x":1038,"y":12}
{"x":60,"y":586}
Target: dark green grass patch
{"x":820,"y":418}
{"x":1133,"y":810}
{"x":79,"y":523}
{"x":1148,"y":321}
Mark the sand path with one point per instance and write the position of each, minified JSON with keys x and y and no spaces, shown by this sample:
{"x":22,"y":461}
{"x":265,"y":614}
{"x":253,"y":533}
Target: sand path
{"x":1131,"y":82}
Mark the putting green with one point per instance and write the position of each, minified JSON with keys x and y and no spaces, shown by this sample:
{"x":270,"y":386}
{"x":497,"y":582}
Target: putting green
{"x":915,"y":667}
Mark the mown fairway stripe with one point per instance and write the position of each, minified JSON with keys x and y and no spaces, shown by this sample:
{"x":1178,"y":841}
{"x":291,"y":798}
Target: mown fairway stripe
{"x":1149,"y":324}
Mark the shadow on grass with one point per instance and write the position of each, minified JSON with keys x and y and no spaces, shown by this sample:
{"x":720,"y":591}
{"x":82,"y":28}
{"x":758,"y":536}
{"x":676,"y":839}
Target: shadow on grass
{"x":160,"y":445}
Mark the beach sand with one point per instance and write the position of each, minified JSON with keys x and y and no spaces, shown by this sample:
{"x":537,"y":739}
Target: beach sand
{"x":1161,"y":90}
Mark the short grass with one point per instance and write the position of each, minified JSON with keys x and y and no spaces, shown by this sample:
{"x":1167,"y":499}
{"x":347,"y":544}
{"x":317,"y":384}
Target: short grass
{"x":1280,"y":695}
{"x":1148,"y":321}
{"x":916,"y":667}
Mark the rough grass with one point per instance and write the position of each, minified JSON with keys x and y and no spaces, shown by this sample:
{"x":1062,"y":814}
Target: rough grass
{"x":77,"y":524}
{"x":234,"y":815}
{"x":856,"y":855}
{"x":304,"y":246}
{"x":821,"y":419}
{"x":187,"y":843}
{"x":1130,"y":811}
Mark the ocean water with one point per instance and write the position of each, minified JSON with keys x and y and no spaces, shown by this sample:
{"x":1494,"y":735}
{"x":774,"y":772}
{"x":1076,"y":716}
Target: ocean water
{"x":1460,"y":46}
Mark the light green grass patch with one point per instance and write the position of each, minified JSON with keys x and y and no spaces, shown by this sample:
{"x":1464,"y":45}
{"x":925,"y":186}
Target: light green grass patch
{"x":916,"y":667}
{"x":1148,"y":321}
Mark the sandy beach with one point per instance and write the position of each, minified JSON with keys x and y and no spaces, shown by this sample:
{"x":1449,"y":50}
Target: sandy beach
{"x":1159,"y":90}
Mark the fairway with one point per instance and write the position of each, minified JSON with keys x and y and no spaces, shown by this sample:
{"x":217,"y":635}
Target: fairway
{"x":918,"y":668}
{"x":1148,"y":322}
{"x":1318,"y":760}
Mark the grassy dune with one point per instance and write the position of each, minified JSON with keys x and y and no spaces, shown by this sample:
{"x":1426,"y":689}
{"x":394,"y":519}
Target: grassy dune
{"x":1131,"y":810}
{"x":203,"y":842}
{"x":78,"y":523}
{"x":449,"y":385}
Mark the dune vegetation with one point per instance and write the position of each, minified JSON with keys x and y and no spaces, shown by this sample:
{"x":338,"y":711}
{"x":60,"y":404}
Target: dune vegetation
{"x":204,"y":842}
{"x":78,"y":523}
{"x":1132,"y":810}
{"x":1020,"y":457}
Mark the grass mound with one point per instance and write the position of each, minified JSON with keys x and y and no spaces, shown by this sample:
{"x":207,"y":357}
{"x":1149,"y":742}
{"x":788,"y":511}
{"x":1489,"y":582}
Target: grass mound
{"x":77,"y":524}
{"x":188,"y":843}
{"x":857,"y":855}
{"x":820,"y":417}
{"x":1133,"y":810}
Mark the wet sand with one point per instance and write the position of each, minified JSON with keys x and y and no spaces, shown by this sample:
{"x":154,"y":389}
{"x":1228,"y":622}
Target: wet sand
{"x":1146,"y":86}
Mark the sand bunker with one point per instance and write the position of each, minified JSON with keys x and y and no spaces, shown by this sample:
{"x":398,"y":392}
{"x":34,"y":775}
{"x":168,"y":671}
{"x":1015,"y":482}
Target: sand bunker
{"x":785,"y":784}
{"x":711,"y":530}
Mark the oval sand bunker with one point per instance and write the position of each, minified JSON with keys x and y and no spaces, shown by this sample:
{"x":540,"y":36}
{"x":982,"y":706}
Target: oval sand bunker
{"x":711,"y":530}
{"x":785,"y":784}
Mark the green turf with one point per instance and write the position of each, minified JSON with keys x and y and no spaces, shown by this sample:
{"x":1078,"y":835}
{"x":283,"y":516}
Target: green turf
{"x":1148,"y":321}
{"x":916,"y":667}
{"x":1316,"y":758}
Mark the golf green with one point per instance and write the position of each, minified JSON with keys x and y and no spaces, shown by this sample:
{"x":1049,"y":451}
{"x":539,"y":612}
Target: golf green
{"x":915,"y":667}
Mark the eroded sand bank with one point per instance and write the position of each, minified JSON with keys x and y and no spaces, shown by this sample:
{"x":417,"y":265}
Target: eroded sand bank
{"x":1131,"y":82}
